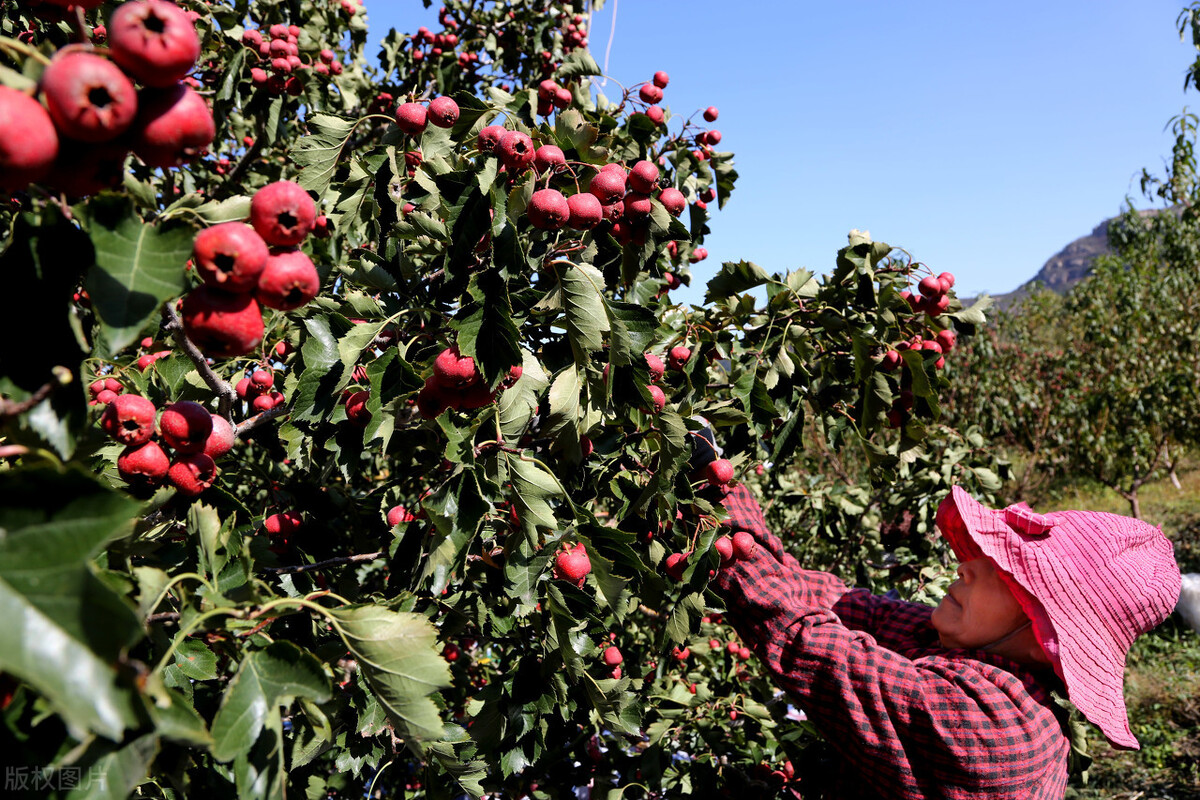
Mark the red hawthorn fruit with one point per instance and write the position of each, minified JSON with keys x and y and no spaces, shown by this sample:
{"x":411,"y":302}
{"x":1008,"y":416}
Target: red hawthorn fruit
{"x":88,"y":97}
{"x":356,"y":409}
{"x":443,"y":112}
{"x":743,"y":545}
{"x":129,"y":419}
{"x":546,"y":89}
{"x":658,"y":397}
{"x":609,"y":185}
{"x":548,"y":156}
{"x":516,"y":151}
{"x":612,"y":656}
{"x":154,"y":41}
{"x":724,"y":548}
{"x":191,"y":474}
{"x":637,"y":205}
{"x":616,"y":674}
{"x":661,"y":79}
{"x":673,"y":201}
{"x":712,"y":138}
{"x":548,"y":209}
{"x":673,"y":281}
{"x":710,"y":114}
{"x":143,"y":465}
{"x":451,"y":369}
{"x":947,"y":339}
{"x":172,"y":126}
{"x":643,"y":177}
{"x":230,"y":256}
{"x":222,"y":325}
{"x":432,"y":400}
{"x":585,"y":446}
{"x":562,"y":98}
{"x":262,"y":379}
{"x":28,"y":140}
{"x":399,"y":514}
{"x":678,"y":356}
{"x":676,"y":563}
{"x":681,"y":653}
{"x":288,"y":280}
{"x":947,"y":279}
{"x":699,"y":254}
{"x":572,"y":564}
{"x":708,"y":195}
{"x":891,"y":359}
{"x":655,"y":114}
{"x":657,"y":368}
{"x":613,"y":213}
{"x":412,"y":118}
{"x":650,"y":94}
{"x":934,"y":307}
{"x":930,"y":286}
{"x":514,"y":374}
{"x":222,"y":438}
{"x":489,"y":137}
{"x":185,"y":426}
{"x":264,"y":402}
{"x":586,"y":211}
{"x":283,"y":523}
{"x":719,"y":472}
{"x":282,"y":213}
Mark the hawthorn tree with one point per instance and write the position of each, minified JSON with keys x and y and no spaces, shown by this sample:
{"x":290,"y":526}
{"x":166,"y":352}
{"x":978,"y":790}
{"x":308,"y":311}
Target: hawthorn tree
{"x":347,"y":413}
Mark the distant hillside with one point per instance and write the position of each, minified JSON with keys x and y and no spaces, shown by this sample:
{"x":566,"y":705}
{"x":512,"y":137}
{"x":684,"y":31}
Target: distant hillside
{"x":1065,"y":268}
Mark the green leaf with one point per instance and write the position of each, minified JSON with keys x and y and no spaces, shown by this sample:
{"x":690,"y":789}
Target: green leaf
{"x":586,"y":312}
{"x":395,"y":652}
{"x":735,"y":278}
{"x":578,"y":63}
{"x":266,"y":679}
{"x":64,"y":628}
{"x":533,"y":486}
{"x":196,"y":661}
{"x":317,"y":153}
{"x":112,"y":773}
{"x":633,"y":329}
{"x":519,"y":402}
{"x":138,"y":266}
{"x":564,"y":401}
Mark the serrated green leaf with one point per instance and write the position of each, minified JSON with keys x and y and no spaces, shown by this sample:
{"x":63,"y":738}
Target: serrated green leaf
{"x":584,"y":304}
{"x":395,"y":652}
{"x":735,"y":278}
{"x":266,"y":678}
{"x":317,"y":152}
{"x":138,"y":266}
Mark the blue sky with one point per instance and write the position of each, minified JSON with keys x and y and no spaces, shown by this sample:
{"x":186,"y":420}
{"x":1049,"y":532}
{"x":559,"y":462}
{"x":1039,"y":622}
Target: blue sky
{"x":982,"y":138}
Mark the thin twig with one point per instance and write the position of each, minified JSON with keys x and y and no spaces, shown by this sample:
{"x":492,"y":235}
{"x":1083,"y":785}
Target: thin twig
{"x":244,"y":427}
{"x":165,"y":616}
{"x":12,"y":408}
{"x":330,"y":562}
{"x":225,"y":393}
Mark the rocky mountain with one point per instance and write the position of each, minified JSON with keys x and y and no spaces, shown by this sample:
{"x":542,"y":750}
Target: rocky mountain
{"x":1066,"y":267}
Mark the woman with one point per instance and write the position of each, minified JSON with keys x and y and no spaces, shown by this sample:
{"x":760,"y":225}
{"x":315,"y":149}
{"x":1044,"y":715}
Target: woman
{"x":956,"y":701}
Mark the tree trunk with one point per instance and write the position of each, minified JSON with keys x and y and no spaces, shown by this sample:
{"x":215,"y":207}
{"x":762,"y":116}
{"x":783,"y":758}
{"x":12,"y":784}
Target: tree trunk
{"x":1135,"y":507}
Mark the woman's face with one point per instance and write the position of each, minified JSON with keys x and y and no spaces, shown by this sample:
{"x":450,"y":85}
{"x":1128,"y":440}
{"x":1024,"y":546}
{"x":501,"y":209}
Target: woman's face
{"x":978,"y":608}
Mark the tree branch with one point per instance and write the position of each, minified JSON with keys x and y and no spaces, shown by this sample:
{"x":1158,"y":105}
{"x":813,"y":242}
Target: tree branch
{"x":225,"y":393}
{"x":13,"y":408}
{"x":244,"y":427}
{"x":330,"y":562}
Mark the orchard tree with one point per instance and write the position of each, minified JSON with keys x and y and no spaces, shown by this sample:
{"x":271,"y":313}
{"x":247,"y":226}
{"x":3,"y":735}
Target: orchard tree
{"x":347,"y":414}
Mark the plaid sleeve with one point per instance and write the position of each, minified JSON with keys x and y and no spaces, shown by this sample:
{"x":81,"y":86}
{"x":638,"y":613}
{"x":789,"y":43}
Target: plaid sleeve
{"x":931,"y":723}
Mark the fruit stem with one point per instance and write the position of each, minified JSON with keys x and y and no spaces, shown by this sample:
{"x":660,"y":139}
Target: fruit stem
{"x":21,"y":47}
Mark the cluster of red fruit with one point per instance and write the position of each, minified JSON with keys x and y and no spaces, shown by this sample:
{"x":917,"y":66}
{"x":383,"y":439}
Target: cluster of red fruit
{"x":104,"y":391}
{"x":94,"y":116}
{"x":280,"y":53}
{"x":652,"y":94}
{"x":258,"y":389}
{"x":574,"y":33}
{"x":456,"y":383}
{"x":281,"y":527}
{"x":438,"y":43}
{"x":245,"y":265}
{"x":197,"y":437}
{"x":351,"y":7}
{"x":551,"y":96}
{"x":412,"y":117}
{"x":933,"y":297}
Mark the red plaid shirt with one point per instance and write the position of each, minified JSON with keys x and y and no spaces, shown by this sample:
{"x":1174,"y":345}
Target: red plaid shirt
{"x":909,"y":718}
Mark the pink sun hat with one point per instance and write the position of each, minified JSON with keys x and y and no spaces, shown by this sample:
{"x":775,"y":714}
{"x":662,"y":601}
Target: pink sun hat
{"x":1091,"y":582}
